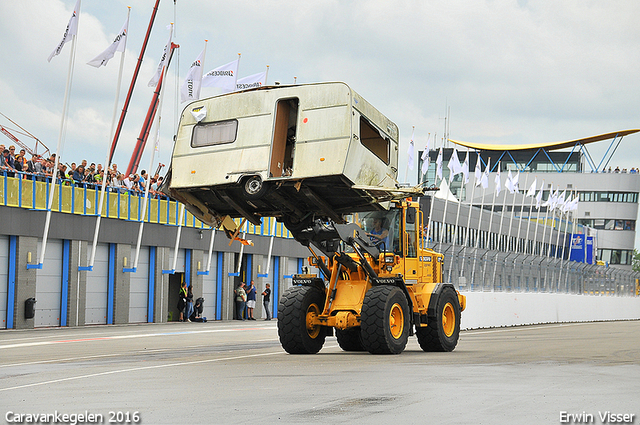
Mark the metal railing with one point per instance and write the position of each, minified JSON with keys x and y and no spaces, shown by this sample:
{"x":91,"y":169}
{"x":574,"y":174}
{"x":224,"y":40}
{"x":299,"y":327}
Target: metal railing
{"x":483,"y":270}
{"x":31,"y":191}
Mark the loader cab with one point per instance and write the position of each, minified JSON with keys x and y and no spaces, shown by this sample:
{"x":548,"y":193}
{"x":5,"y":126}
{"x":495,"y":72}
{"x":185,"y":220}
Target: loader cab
{"x":394,"y":230}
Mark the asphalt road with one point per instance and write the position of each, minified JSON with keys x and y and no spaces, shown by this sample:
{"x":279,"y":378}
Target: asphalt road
{"x":236,"y":372}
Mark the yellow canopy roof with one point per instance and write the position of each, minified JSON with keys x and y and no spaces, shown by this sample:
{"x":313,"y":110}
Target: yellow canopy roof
{"x":550,"y":146}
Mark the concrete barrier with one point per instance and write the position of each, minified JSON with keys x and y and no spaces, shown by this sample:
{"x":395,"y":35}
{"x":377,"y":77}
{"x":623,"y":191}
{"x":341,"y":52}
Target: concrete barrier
{"x":496,"y":309}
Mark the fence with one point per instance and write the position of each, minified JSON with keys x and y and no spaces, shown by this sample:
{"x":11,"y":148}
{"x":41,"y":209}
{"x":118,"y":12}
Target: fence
{"x":32,"y":192}
{"x":488,"y":270}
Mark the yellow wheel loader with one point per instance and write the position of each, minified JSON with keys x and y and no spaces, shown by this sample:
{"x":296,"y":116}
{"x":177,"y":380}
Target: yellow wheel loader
{"x":380,"y":285}
{"x":309,"y":154}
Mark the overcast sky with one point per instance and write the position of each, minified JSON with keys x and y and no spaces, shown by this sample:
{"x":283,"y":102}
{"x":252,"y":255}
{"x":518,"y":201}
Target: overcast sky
{"x":509,"y":71}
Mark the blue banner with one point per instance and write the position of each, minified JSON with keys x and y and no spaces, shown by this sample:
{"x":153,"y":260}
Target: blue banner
{"x":589,"y":249}
{"x":577,"y":248}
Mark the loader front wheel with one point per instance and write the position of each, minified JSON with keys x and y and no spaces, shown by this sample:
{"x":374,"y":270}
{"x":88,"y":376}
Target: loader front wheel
{"x":297,"y":310}
{"x":443,"y":330}
{"x":350,"y":339}
{"x":385,"y":320}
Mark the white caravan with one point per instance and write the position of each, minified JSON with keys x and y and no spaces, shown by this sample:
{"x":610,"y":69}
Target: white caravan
{"x":293,"y":152}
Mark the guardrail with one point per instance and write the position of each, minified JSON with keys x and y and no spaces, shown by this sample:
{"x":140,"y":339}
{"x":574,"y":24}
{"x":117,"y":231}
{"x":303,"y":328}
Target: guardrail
{"x":512,"y":272}
{"x":30,"y":191}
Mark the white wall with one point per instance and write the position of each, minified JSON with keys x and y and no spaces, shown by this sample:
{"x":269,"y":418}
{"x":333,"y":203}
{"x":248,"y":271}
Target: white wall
{"x":495,"y":309}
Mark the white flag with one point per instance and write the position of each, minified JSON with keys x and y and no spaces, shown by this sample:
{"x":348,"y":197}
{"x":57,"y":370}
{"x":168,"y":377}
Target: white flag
{"x":560,"y":203}
{"x":454,"y":165}
{"x":425,"y":157}
{"x":190,"y":89}
{"x":532,"y":188}
{"x":163,"y":60}
{"x":439,"y":164}
{"x":508,"y":184}
{"x":410,"y":151}
{"x":484,"y":180}
{"x":72,"y":30}
{"x":574,"y":204}
{"x":252,"y":81}
{"x":118,"y":45}
{"x":498,"y":181}
{"x":478,"y":171}
{"x":223,"y":76}
{"x":539,"y":196}
{"x":550,"y":200}
{"x":514,"y":182}
{"x":465,"y":168}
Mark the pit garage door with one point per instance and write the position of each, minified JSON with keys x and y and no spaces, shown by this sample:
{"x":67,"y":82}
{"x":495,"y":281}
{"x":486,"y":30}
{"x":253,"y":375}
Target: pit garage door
{"x":209,"y":287}
{"x":49,"y":285}
{"x":139,"y":288}
{"x":97,"y":286}
{"x":4,"y":279}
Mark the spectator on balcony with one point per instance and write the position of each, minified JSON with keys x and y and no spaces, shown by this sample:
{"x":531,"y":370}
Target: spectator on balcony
{"x":20,"y":162}
{"x":6,"y":164}
{"x":78,"y":174}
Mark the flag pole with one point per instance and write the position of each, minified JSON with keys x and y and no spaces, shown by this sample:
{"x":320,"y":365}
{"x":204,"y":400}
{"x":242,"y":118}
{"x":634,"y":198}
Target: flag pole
{"x":148,"y":182}
{"x":61,"y":135}
{"x":134,"y":78}
{"x":516,"y":245}
{"x":546,"y":218}
{"x":493,"y":204}
{"x":444,"y":213}
{"x":564,"y":238}
{"x":573,"y":229}
{"x":455,"y":237}
{"x":466,"y":236}
{"x":524,"y":245}
{"x":499,"y":233}
{"x":410,"y":154}
{"x":433,"y":201}
{"x":535,"y":234}
{"x":266,"y":76}
{"x":107,"y":162}
{"x":513,"y":214}
{"x":235,"y":83}
{"x":479,"y":236}
{"x":526,"y":240}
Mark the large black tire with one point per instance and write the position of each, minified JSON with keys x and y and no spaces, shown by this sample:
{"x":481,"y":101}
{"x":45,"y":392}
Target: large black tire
{"x":443,"y":331}
{"x":385,"y":320}
{"x":350,"y":339}
{"x":297,"y":306}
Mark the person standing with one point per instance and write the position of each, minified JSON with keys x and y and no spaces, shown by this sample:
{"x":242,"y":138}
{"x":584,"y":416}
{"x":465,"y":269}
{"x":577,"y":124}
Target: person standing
{"x":266,"y":301}
{"x":251,"y":300}
{"x":189,"y":306}
{"x":182,"y":300}
{"x":241,"y":301}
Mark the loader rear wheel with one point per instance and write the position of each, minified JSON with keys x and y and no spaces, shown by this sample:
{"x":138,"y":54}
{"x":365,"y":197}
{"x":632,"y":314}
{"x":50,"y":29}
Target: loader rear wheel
{"x":385,"y":320}
{"x":350,"y":339}
{"x":298,"y":308}
{"x":443,"y":330}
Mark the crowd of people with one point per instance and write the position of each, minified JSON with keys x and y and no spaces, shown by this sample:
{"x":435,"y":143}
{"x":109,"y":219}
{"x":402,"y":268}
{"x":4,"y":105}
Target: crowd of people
{"x":618,"y":170}
{"x":14,"y":164}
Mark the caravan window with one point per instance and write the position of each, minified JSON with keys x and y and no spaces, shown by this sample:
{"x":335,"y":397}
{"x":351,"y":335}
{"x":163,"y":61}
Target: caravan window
{"x":214,"y":133}
{"x":374,"y":140}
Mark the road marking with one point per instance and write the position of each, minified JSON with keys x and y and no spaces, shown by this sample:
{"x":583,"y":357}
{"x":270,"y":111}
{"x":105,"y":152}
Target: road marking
{"x":113,"y":372}
{"x":128,"y":336}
